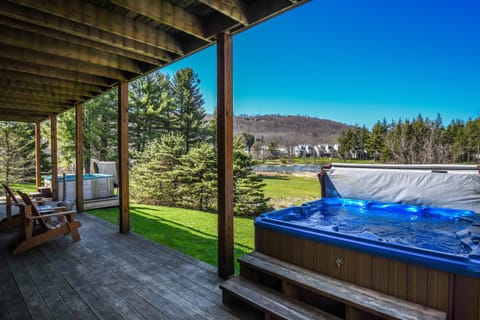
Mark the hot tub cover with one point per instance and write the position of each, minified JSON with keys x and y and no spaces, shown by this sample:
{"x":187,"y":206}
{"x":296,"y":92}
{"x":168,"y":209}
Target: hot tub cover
{"x":456,"y":187}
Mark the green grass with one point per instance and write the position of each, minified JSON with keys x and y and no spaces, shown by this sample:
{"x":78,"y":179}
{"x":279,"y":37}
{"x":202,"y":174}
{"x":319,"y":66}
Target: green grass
{"x":25,"y":187}
{"x":285,"y":191}
{"x":189,"y":231}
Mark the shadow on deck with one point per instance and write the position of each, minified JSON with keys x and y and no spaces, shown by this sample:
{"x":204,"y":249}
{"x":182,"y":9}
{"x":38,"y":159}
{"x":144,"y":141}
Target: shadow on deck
{"x":108,"y":275}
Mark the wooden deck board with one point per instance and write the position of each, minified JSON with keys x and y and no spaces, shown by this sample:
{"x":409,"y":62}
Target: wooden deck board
{"x":107,"y":275}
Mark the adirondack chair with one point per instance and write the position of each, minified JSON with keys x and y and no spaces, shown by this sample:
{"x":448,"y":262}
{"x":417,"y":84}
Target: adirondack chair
{"x":40,"y":227}
{"x":11,"y":220}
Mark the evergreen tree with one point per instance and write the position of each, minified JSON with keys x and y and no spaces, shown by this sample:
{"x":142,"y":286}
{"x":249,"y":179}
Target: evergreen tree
{"x":164,"y":174}
{"x":189,"y":111}
{"x":376,"y":140}
{"x":248,"y":195}
{"x":199,"y":168}
{"x":157,"y":173}
{"x":102,"y":115}
{"x":346,"y":143}
{"x":17,"y":152}
{"x":66,"y":132}
{"x":144,"y":111}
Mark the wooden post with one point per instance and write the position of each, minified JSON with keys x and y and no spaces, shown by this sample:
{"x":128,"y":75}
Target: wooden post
{"x":79,"y":157}
{"x":38,"y":144}
{"x":225,"y":155}
{"x":123,"y":156}
{"x":53,"y":155}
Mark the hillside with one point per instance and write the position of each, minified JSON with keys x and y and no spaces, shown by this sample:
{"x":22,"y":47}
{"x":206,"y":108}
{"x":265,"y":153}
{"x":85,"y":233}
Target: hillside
{"x":289,"y":130}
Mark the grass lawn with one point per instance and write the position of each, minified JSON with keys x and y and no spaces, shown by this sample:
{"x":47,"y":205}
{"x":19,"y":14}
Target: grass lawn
{"x":25,"y":187}
{"x":287,"y":190}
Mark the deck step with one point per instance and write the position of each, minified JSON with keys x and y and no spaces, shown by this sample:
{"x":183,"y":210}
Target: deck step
{"x":272,"y":303}
{"x":350,"y":294}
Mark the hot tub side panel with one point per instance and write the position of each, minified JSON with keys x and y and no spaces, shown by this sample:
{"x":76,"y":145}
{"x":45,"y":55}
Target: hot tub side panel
{"x":93,"y":188}
{"x":411,"y":282}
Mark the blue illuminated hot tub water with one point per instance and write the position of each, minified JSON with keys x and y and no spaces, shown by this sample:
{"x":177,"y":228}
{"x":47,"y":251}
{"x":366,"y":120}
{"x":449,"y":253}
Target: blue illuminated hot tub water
{"x":447,"y":238}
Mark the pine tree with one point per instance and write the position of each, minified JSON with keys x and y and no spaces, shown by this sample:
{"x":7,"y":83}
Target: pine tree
{"x":199,"y":168}
{"x":17,"y":152}
{"x":101,"y":129}
{"x":157,"y":173}
{"x":248,"y":195}
{"x":144,"y":111}
{"x":376,"y":140}
{"x":189,"y":111}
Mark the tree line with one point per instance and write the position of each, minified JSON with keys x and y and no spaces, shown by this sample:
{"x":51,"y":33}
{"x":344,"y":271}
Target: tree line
{"x":171,"y":145}
{"x":419,"y":140}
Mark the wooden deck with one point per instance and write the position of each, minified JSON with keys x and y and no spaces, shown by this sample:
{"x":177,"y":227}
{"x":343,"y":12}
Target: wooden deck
{"x":108,"y":275}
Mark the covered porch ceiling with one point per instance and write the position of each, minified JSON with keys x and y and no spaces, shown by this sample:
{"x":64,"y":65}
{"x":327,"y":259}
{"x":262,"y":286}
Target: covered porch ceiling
{"x":55,"y":54}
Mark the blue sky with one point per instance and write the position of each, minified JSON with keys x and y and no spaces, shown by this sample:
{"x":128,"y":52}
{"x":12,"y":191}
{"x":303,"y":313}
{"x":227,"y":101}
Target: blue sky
{"x":355,"y":61}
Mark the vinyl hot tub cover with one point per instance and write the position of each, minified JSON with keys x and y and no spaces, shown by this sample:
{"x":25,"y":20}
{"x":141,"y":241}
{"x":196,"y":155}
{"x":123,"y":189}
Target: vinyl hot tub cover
{"x":442,"y":186}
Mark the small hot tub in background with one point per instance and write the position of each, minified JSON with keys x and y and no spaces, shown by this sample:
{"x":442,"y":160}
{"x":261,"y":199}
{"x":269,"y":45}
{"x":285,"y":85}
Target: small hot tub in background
{"x":426,"y":255}
{"x":95,"y":186}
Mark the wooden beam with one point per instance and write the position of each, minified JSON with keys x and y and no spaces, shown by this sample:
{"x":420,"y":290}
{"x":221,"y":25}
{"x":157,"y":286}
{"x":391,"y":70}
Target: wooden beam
{"x":166,"y":13}
{"x":40,"y":94}
{"x":38,"y":155}
{"x":40,"y":43}
{"x":43,"y":89}
{"x":73,"y":32}
{"x":54,"y":83}
{"x":79,"y":157}
{"x":123,"y":157}
{"x":30,"y":107}
{"x":53,"y":156}
{"x":39,"y":70}
{"x":25,"y":55}
{"x":14,"y":111}
{"x":262,"y":10}
{"x":234,"y":9}
{"x":22,"y":117}
{"x":103,"y":19}
{"x":13,"y":95}
{"x":225,"y":155}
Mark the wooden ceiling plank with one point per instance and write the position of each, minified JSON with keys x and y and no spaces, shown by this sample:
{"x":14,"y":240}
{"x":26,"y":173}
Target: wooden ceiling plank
{"x":164,"y":12}
{"x":77,"y":33}
{"x":30,"y":68}
{"x":23,"y":117}
{"x":106,"y":20}
{"x":61,"y":84}
{"x":16,"y":94}
{"x":25,"y":55}
{"x":42,"y":92}
{"x":34,"y":103}
{"x":234,"y":9}
{"x":40,"y":43}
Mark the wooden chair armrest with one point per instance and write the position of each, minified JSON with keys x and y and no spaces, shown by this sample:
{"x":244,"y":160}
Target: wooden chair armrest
{"x":57,"y":214}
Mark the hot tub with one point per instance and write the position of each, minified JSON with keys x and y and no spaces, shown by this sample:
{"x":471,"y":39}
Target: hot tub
{"x":95,"y":186}
{"x":426,"y":255}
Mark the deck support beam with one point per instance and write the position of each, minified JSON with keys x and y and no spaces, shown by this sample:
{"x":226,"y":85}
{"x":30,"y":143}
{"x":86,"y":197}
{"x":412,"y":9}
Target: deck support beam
{"x":53,"y":155}
{"x":225,"y":155}
{"x":38,"y":159}
{"x":79,"y":157}
{"x":123,"y":157}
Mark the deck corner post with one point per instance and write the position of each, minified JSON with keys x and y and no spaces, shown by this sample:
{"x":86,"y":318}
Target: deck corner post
{"x":123,"y":157}
{"x":53,"y":155}
{"x":225,"y":155}
{"x":38,"y":159}
{"x":79,"y":157}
